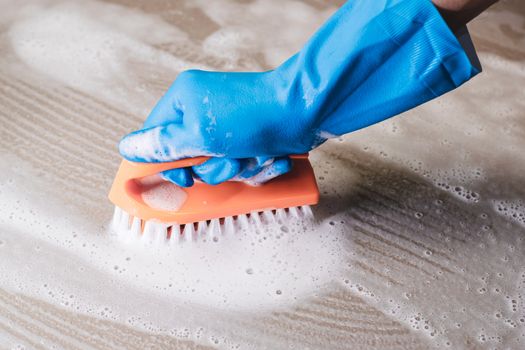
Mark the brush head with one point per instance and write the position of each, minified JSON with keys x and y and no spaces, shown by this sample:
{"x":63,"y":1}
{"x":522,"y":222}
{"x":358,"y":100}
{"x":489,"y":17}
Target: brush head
{"x":131,"y":228}
{"x":203,"y":202}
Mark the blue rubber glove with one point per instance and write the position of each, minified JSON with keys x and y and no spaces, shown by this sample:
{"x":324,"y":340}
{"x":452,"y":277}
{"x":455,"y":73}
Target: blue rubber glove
{"x":370,"y":61}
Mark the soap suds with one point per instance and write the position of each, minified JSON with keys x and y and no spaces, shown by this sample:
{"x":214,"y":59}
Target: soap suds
{"x":197,"y":272}
{"x":162,"y":195}
{"x":514,"y":210}
{"x":94,"y":47}
{"x":238,"y":39}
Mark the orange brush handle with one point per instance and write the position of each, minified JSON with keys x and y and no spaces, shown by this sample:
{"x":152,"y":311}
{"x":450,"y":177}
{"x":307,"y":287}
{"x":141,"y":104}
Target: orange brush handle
{"x":205,"y":202}
{"x":137,"y":170}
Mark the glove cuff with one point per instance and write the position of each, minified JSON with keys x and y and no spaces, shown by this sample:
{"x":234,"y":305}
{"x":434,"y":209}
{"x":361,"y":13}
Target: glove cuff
{"x":372,"y":60}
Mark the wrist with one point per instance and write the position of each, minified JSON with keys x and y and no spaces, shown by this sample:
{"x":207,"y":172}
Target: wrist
{"x":457,"y":13}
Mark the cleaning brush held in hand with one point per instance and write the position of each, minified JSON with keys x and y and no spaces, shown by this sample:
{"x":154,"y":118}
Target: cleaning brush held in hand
{"x":205,"y":209}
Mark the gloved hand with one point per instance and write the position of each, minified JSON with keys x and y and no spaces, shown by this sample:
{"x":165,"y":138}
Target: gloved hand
{"x":371,"y":60}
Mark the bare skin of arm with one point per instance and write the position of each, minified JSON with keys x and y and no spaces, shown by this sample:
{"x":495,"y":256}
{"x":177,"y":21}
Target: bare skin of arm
{"x":458,"y":13}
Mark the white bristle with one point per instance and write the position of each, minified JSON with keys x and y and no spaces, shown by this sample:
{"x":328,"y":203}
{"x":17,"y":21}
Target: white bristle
{"x":306,"y":211}
{"x":120,"y":222}
{"x":202,"y":227}
{"x":117,"y":213}
{"x":154,"y":233}
{"x":255,"y":219}
{"x":293,"y":212}
{"x":151,"y":232}
{"x":243,"y":220}
{"x":136,"y":227}
{"x":268,"y":216}
{"x":188,"y":232}
{"x":175,"y":234}
{"x":124,"y":220}
{"x":229,"y":227}
{"x":281,"y":215}
{"x":214,"y":228}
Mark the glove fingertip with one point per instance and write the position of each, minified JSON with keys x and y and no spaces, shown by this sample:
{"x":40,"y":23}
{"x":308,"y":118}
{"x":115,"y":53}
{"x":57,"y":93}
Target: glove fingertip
{"x":142,"y":146}
{"x":128,"y":148}
{"x":282,"y":165}
{"x":181,"y":177}
{"x":217,"y":170}
{"x":279,"y":167}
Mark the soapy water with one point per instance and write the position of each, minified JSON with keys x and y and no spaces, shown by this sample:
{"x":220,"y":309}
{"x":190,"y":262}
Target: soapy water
{"x":406,"y":222}
{"x":207,"y":271}
{"x":256,"y":269}
{"x":207,"y":282}
{"x":237,"y":38}
{"x":113,"y":40}
{"x":514,"y":210}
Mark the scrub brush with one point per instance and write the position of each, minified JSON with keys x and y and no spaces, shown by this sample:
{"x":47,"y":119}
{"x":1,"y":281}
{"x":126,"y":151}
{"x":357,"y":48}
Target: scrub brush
{"x":208,"y":210}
